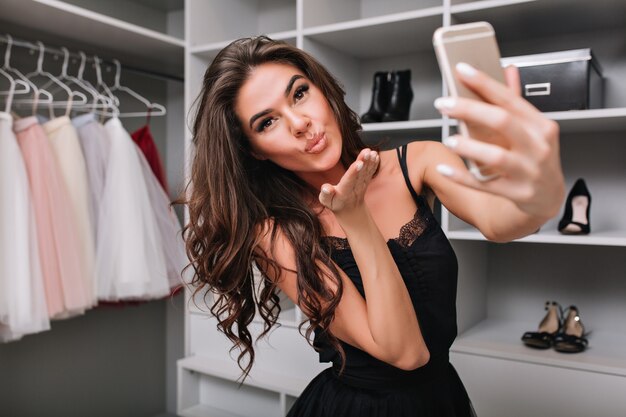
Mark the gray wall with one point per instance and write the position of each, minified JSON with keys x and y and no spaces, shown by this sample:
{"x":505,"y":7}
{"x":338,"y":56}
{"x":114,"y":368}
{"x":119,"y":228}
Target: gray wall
{"x":107,"y":363}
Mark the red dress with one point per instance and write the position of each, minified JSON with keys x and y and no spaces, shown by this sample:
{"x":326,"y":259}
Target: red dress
{"x":143,"y":138}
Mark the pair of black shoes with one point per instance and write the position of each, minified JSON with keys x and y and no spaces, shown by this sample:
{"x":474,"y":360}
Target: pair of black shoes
{"x":391,"y":97}
{"x":559,"y":329}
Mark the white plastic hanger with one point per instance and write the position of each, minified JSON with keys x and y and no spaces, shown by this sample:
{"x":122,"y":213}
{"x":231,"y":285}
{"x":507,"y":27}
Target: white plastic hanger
{"x":35,"y":99}
{"x":12,"y":90}
{"x":39,"y":72}
{"x":114,"y":111}
{"x":98,"y":101}
{"x":153,"y":109}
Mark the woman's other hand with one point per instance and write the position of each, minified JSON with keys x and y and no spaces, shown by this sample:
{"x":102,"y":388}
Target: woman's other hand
{"x":349,"y":193}
{"x":529,"y":168}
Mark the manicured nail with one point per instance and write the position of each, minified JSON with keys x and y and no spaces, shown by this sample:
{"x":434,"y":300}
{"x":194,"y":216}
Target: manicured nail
{"x":359,"y":165}
{"x":450,"y":142}
{"x":466,"y":69}
{"x":445,"y":103}
{"x":325,"y":190}
{"x":445,"y":170}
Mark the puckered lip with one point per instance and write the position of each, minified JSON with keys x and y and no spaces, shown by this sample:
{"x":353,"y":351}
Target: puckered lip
{"x":310,"y":144}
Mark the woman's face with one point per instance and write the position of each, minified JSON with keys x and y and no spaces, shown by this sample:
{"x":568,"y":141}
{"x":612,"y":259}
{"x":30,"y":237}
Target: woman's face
{"x":288,"y":120}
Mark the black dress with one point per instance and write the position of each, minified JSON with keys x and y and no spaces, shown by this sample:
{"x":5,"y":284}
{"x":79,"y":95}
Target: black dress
{"x":369,"y":387}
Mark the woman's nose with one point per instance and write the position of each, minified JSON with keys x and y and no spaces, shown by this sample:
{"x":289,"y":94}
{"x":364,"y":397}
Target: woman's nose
{"x":299,"y":123}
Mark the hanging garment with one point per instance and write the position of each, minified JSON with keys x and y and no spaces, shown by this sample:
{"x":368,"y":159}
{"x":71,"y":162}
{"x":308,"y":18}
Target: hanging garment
{"x":168,"y":226}
{"x":129,"y":260}
{"x":143,"y":138}
{"x":95,"y":146}
{"x":23,"y":308}
{"x":69,"y":156}
{"x":57,"y":235}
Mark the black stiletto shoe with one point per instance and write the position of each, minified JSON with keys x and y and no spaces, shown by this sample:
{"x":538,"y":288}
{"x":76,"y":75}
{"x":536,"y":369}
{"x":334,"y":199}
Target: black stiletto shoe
{"x":381,"y":94}
{"x":575,"y":220}
{"x":548,"y":328}
{"x":572,"y":338}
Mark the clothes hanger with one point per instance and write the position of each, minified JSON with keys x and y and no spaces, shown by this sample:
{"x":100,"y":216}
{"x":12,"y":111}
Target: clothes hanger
{"x":97,"y":100}
{"x":35,"y":100}
{"x":153,"y":109}
{"x":12,"y":90}
{"x":114,"y":111}
{"x":39,"y":72}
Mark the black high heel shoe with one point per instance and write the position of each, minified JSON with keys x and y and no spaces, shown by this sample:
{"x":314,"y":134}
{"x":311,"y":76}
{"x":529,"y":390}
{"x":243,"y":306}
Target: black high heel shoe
{"x":572,"y":338}
{"x":575,"y":220}
{"x":548,"y":328}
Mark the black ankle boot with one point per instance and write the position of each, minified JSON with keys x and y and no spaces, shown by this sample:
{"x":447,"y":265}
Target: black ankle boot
{"x":401,"y":97}
{"x":381,"y":93}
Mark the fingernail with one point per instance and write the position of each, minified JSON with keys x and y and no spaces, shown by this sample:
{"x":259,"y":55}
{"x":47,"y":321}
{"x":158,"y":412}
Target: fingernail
{"x":445,"y":103}
{"x":450,"y":142}
{"x":445,"y":170}
{"x":466,"y":69}
{"x":359,"y":165}
{"x":325,"y":190}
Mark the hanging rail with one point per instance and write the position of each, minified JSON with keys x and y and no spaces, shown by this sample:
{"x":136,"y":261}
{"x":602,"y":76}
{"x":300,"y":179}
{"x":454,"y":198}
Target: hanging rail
{"x":56,"y":51}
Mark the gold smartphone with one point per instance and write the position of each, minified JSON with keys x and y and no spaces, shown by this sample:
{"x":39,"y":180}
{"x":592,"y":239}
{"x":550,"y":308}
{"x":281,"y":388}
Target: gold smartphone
{"x":474,"y":44}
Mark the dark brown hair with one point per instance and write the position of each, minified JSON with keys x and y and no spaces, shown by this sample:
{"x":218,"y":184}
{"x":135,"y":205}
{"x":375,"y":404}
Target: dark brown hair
{"x":232,"y":196}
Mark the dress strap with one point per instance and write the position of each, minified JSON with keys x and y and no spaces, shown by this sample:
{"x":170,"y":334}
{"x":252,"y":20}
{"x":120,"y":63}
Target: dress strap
{"x":402,"y":151}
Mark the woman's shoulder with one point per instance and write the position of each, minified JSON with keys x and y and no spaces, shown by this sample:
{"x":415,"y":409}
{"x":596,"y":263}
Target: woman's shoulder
{"x":417,"y":156}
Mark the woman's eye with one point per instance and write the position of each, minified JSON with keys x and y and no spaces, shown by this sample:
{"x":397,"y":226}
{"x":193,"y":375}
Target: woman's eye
{"x":300,"y":91}
{"x":264,"y":124}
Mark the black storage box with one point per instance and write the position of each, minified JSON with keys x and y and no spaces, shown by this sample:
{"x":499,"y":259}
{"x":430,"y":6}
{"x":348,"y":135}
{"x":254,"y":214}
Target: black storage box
{"x":556,"y":81}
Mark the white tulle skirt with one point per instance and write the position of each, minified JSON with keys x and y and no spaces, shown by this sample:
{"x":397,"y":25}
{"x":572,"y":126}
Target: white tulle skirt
{"x":129,"y":261}
{"x":23,"y":308}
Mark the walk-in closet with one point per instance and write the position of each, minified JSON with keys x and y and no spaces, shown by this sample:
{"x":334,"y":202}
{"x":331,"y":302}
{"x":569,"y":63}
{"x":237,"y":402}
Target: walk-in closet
{"x":152,"y":348}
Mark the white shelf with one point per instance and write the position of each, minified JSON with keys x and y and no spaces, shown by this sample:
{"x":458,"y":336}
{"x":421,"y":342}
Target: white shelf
{"x":593,"y":120}
{"x":109,"y":37}
{"x":258,"y":377}
{"x":600,"y":238}
{"x":210,"y":50}
{"x":585,"y":121}
{"x":202,"y":410}
{"x":395,"y":34}
{"x":502,"y":339}
{"x":484,"y":4}
{"x":407,"y":126}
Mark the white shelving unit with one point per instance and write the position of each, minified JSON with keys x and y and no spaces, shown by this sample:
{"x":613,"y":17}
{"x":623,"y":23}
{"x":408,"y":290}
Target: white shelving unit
{"x":502,"y":287}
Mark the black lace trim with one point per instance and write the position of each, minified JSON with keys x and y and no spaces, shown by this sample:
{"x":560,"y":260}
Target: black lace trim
{"x":409,"y":233}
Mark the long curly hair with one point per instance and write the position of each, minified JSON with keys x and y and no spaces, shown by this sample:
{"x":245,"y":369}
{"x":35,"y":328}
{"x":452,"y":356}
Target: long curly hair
{"x":232,"y":197}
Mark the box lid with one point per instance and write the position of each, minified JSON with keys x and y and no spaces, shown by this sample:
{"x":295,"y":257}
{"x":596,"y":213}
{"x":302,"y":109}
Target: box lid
{"x":559,"y":57}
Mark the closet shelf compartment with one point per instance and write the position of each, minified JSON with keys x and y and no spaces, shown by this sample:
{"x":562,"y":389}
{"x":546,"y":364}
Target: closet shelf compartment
{"x":522,"y":20}
{"x":600,"y":238}
{"x":133,"y":45}
{"x":376,"y":37}
{"x":501,"y":339}
{"x":258,"y":378}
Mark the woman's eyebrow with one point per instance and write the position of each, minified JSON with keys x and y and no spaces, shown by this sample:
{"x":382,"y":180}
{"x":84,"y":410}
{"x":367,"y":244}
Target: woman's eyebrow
{"x":290,"y":84}
{"x":292,"y":80}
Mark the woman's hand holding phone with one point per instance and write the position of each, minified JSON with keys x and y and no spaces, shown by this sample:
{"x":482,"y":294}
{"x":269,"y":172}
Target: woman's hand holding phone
{"x":528,"y":162}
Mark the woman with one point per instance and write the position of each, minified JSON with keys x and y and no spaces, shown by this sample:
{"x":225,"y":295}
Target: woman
{"x":281,"y":179}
